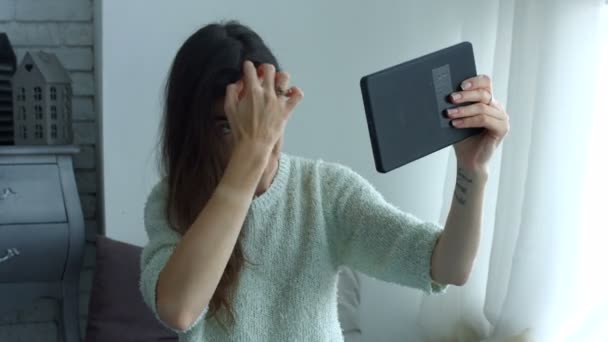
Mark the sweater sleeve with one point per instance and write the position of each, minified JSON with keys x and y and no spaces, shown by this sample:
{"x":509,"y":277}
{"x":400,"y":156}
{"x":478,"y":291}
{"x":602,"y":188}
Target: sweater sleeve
{"x":158,"y":250}
{"x":376,"y":238}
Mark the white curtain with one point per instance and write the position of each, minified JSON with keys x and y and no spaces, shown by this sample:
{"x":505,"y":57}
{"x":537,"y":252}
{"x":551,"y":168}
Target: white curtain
{"x":540,"y":271}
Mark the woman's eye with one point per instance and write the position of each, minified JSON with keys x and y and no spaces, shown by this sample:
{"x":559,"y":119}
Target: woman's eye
{"x":225,"y":127}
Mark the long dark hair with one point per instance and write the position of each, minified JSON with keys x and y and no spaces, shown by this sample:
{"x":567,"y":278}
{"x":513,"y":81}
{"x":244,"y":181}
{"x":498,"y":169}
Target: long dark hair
{"x":193,"y":157}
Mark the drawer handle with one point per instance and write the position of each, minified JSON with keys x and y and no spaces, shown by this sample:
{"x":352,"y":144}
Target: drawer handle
{"x":10,"y":253}
{"x":6,"y":192}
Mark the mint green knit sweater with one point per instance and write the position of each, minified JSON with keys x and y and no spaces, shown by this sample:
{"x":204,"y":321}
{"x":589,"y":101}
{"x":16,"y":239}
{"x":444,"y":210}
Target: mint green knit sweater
{"x":315,"y":217}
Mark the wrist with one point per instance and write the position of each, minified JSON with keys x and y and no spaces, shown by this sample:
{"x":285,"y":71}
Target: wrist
{"x":477,"y":172}
{"x":246,"y":166}
{"x":256,"y":151}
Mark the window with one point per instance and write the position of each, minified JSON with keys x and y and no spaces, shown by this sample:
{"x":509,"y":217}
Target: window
{"x":588,"y":325}
{"x":21,"y":94}
{"x":67,"y":110}
{"x":22,"y":115}
{"x":24,"y":132}
{"x":54,"y":131}
{"x":53,"y":94}
{"x":54,"y":112}
{"x":37,"y":93}
{"x":38,"y":112}
{"x":38,"y":132}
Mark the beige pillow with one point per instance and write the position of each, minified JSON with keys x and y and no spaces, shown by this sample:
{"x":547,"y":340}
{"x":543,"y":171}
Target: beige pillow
{"x":349,"y":299}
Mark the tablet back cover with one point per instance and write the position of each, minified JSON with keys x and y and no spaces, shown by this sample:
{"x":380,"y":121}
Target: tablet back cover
{"x":405,"y":105}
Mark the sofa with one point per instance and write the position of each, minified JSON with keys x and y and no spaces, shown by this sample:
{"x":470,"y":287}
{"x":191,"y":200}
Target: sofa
{"x":118,"y":313}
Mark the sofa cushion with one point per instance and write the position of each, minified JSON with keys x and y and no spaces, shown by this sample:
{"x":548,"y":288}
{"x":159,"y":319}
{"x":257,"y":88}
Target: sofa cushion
{"x":117,"y":311}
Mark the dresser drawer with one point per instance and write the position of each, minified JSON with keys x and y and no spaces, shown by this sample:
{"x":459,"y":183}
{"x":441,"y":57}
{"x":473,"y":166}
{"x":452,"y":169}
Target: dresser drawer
{"x":30,"y":193}
{"x":33,"y":253}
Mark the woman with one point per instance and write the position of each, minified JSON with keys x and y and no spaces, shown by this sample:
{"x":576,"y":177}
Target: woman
{"x":246,"y":241}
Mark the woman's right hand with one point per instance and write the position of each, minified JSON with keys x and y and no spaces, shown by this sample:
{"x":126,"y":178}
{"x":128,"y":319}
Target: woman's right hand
{"x":256,"y":114}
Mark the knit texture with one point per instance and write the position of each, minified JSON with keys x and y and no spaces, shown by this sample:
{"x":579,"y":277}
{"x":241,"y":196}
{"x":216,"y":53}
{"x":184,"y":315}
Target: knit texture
{"x":315,"y":217}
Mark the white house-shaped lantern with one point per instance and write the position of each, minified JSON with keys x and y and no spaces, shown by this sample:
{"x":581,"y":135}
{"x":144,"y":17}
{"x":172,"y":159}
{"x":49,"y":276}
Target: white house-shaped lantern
{"x":42,"y":101}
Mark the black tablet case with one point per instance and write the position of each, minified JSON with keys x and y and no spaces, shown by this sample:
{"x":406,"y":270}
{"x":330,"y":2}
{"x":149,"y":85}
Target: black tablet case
{"x":405,"y":105}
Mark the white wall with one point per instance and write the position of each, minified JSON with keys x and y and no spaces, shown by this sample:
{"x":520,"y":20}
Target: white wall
{"x":326,"y":46}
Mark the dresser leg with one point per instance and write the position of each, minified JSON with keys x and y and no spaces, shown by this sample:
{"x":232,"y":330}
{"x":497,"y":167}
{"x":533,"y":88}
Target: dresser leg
{"x":70,"y":313}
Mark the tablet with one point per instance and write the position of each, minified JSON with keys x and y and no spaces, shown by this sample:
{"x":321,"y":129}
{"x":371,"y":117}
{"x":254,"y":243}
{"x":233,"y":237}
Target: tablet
{"x":405,"y":106}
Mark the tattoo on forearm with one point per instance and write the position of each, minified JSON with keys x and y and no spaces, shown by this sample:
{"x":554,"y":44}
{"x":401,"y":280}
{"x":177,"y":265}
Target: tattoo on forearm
{"x":463,"y":177}
{"x":461,"y":187}
{"x":462,"y":183}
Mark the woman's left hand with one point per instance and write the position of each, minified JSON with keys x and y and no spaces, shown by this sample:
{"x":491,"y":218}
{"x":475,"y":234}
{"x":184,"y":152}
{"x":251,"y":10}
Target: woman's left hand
{"x":475,"y":152}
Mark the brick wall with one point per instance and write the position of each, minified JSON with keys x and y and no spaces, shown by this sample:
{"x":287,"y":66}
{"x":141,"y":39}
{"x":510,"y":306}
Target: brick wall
{"x":64,"y":27}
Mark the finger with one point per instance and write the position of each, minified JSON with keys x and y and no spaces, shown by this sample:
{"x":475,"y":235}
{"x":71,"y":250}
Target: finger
{"x":295,"y":95}
{"x":232,"y":97}
{"x":240,"y":86}
{"x":269,"y":74}
{"x":282,"y":80}
{"x":251,"y":79}
{"x":484,"y":121}
{"x":477,"y":82}
{"x":482,"y":95}
{"x":476,"y":109}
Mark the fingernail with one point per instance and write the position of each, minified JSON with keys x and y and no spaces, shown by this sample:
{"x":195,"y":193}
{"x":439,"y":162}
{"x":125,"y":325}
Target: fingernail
{"x":456,"y":96}
{"x":456,"y":123}
{"x":466,"y":85}
{"x":452,"y":111}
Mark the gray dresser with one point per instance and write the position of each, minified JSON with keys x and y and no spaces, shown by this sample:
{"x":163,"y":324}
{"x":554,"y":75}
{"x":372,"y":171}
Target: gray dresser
{"x":41,"y":231}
